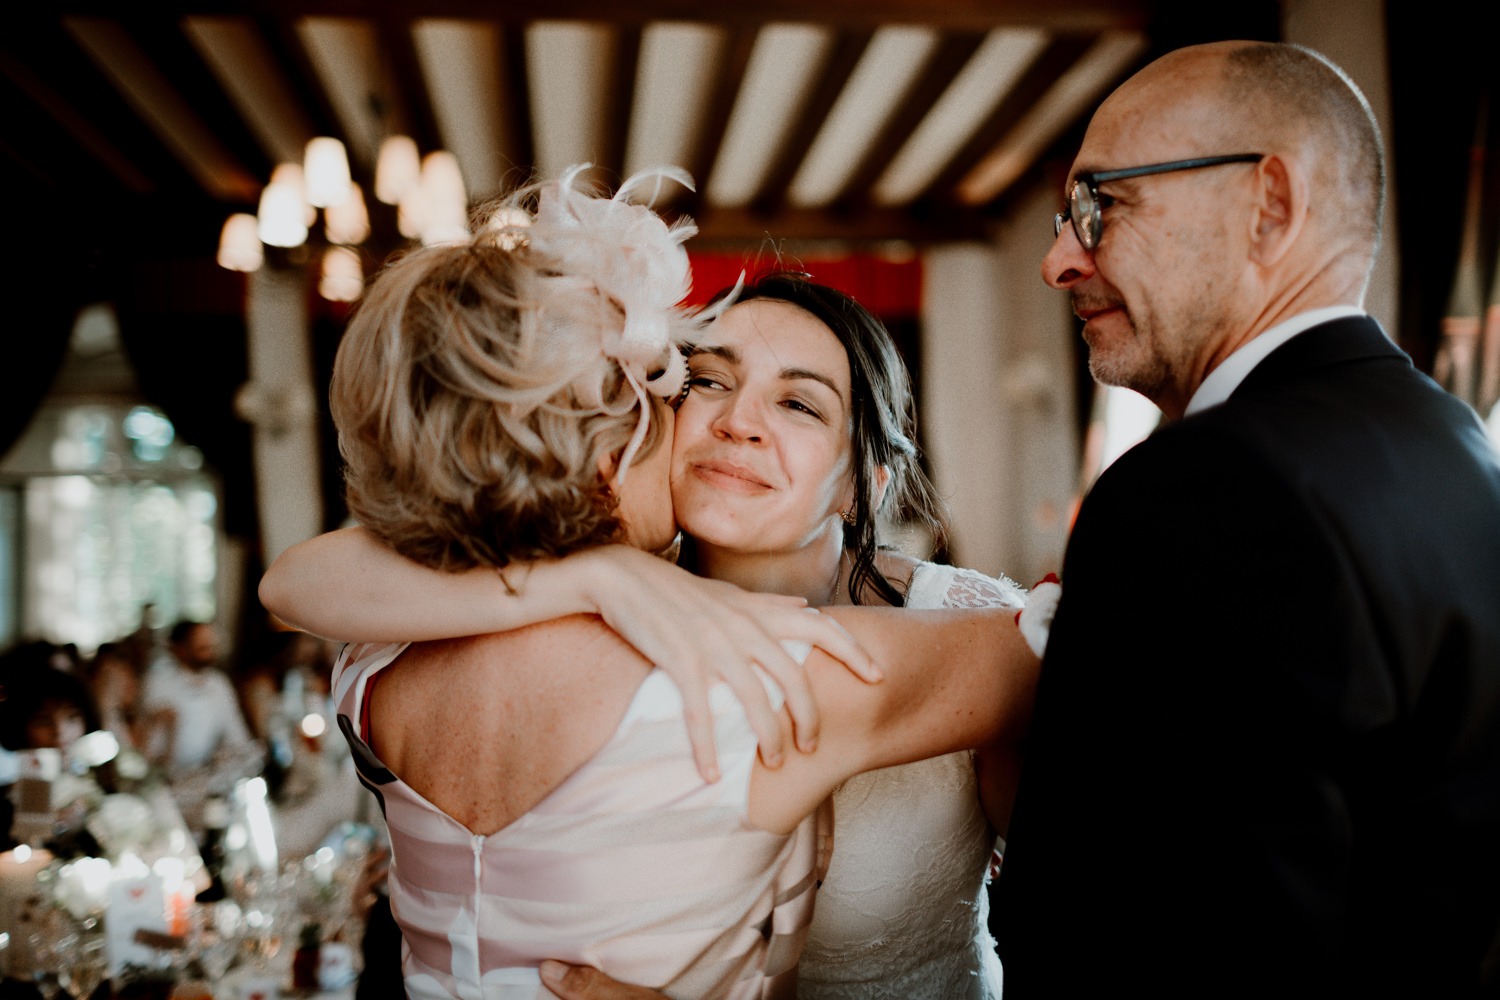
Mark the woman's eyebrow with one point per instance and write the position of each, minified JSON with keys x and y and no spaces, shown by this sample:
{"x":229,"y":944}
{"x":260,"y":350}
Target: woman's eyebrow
{"x":789,"y":374}
{"x":731,"y":355}
{"x":721,"y":351}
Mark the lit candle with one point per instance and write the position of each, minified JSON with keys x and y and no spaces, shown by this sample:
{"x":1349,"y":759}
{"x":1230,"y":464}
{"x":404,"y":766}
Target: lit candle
{"x":18,"y":871}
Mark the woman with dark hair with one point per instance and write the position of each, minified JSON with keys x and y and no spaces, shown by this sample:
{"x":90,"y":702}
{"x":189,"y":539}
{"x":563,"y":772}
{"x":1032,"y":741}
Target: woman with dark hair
{"x":795,"y":452}
{"x":884,"y":462}
{"x":41,"y":706}
{"x":796,"y":438}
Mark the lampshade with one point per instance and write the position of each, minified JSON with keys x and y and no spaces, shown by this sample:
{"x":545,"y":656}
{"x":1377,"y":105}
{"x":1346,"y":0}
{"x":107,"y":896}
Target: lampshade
{"x":343,"y":278}
{"x":292,"y":175}
{"x":282,"y":218}
{"x":411,"y":212}
{"x":447,"y":206}
{"x":239,"y":244}
{"x":349,"y":221}
{"x":326,"y":167}
{"x":397,"y":169}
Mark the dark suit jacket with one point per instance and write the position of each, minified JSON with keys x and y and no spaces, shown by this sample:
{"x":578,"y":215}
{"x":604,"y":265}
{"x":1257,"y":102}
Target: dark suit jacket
{"x":1266,"y":752}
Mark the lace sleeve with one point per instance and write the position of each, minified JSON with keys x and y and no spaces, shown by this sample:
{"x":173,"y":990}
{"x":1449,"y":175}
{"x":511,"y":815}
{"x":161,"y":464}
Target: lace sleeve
{"x":970,"y":589}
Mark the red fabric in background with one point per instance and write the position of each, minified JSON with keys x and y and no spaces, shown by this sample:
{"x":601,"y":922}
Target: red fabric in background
{"x":887,"y":287}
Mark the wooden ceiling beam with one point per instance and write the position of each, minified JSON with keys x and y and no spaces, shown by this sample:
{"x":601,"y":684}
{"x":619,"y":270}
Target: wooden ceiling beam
{"x":1055,"y":60}
{"x":393,"y":29}
{"x":627,"y":46}
{"x":946,"y":62}
{"x":746,"y":227}
{"x":520,"y":137}
{"x":726,"y":86}
{"x":957,"y":15}
{"x":36,"y":109}
{"x":164,"y":43}
{"x":833,"y":77}
{"x":281,"y":38}
{"x":158,"y":105}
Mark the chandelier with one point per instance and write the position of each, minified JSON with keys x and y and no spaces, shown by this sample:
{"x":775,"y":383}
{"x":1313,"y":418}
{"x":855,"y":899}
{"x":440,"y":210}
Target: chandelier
{"x":426,"y":191}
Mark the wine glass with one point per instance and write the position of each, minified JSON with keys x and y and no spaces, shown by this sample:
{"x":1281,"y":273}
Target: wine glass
{"x":47,"y":945}
{"x":264,"y":924}
{"x":216,"y":931}
{"x":87,"y":962}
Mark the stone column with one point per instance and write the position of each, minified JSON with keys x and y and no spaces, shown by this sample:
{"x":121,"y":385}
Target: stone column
{"x":998,"y":397}
{"x":280,"y":403}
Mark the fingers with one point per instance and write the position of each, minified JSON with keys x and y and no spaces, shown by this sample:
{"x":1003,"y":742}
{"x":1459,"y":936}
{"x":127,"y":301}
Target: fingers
{"x":751,"y":693}
{"x":700,"y":631}
{"x":828,"y":635}
{"x":576,"y":982}
{"x":792,"y":678}
{"x":700,"y":724}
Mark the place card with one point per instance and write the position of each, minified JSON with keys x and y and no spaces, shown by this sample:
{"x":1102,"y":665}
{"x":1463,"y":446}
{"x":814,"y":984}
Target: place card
{"x":135,"y":905}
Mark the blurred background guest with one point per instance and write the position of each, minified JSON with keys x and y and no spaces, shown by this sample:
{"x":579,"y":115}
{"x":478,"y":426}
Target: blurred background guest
{"x":114,"y":677}
{"x":198,"y":733}
{"x":41,"y":708}
{"x":291,"y":675}
{"x":285,"y":694}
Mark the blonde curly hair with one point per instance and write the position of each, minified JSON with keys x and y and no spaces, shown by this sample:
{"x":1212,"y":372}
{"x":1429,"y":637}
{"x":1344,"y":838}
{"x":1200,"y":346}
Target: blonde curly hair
{"x":473,"y":406}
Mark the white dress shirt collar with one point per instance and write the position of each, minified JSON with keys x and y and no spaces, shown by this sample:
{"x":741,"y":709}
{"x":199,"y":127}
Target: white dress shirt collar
{"x":1224,"y":379}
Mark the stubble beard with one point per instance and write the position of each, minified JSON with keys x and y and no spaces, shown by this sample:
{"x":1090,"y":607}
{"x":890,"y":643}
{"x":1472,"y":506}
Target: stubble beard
{"x":1130,"y":361}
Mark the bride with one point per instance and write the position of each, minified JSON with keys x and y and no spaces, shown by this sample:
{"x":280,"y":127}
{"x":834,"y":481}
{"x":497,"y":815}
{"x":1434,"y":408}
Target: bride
{"x":795,"y":435}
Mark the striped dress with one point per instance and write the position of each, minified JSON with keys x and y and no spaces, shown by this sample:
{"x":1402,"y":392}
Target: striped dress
{"x":632,"y":865}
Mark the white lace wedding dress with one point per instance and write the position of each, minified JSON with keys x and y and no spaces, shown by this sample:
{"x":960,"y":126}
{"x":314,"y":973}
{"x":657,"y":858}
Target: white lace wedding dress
{"x":903,"y":911}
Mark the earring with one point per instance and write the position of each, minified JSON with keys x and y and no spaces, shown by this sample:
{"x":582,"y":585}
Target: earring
{"x":848,"y":517}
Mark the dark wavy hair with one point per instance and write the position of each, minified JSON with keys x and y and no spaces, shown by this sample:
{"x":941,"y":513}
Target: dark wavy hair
{"x":28,"y":682}
{"x":884,"y":425}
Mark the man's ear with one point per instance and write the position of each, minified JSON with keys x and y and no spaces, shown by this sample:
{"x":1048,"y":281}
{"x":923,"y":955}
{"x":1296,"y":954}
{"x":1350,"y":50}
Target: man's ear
{"x":1279,"y":209}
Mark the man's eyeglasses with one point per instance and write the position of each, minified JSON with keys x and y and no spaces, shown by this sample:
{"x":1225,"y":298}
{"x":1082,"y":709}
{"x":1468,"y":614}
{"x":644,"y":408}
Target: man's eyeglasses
{"x":1083,"y":197}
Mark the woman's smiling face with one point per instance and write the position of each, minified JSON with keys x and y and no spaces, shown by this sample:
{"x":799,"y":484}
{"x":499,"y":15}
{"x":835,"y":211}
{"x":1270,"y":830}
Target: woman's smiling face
{"x":762,"y":457}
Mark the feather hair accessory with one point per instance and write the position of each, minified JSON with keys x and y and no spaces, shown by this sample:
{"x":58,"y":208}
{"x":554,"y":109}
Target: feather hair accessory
{"x":615,"y":273}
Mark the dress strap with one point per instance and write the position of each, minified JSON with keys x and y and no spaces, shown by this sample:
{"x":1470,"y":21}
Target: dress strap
{"x":364,"y":708}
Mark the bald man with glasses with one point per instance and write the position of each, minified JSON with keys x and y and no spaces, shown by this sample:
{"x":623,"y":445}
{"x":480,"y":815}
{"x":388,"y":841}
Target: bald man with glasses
{"x":1283,"y":780}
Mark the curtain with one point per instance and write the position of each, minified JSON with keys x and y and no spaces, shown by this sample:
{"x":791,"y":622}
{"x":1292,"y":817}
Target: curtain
{"x":1468,"y":352}
{"x":1445,"y":137}
{"x":182,"y":325}
{"x":41,"y":309}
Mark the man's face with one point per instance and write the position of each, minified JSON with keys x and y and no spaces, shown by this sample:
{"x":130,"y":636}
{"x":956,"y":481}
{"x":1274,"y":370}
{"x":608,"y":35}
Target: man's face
{"x":1151,"y":292}
{"x":200,"y":648}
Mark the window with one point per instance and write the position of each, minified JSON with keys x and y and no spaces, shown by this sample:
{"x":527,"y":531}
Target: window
{"x":103,"y":512}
